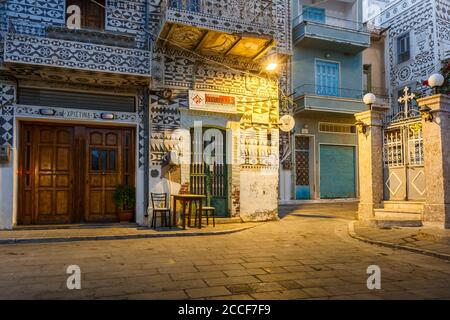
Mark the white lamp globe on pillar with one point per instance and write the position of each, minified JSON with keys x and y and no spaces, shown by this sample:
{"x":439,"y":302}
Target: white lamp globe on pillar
{"x":435,"y":81}
{"x":369,"y":99}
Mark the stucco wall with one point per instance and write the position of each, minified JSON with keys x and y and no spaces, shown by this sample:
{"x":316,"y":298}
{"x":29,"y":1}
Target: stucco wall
{"x":6,"y":194}
{"x":374,"y":56}
{"x":309,"y":125}
{"x":259,"y":194}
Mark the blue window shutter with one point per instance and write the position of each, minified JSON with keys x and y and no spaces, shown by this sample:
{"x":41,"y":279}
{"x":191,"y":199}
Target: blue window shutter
{"x":327,"y":78}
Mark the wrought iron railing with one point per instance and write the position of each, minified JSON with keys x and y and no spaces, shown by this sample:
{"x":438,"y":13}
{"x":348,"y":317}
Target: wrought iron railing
{"x":330,"y":21}
{"x":90,"y":50}
{"x":328,"y":91}
{"x":257,"y":12}
{"x":104,"y":37}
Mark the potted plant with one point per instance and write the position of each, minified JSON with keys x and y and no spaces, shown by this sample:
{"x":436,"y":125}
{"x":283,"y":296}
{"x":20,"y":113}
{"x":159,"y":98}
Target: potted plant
{"x":125,"y":200}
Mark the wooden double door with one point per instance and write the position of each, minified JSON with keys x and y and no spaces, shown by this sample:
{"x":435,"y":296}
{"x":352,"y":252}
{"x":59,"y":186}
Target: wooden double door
{"x":68,"y":173}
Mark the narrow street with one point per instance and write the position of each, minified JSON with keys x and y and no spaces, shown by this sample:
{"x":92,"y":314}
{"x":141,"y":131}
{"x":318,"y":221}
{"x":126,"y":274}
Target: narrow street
{"x":306,"y":255}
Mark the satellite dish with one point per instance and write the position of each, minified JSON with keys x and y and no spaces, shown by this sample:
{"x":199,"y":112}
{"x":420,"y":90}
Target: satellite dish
{"x":287,"y":123}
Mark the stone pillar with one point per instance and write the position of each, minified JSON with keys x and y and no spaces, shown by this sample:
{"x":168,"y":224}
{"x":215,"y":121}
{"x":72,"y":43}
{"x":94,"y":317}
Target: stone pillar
{"x":436,"y":136}
{"x":370,"y":159}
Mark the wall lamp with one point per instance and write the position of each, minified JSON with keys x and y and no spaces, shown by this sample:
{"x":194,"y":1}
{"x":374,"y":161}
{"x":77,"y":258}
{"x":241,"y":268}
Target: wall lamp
{"x":436,"y":81}
{"x":108,"y":116}
{"x":369,"y":100}
{"x":361,"y":127}
{"x":47,"y":112}
{"x":426,"y":113}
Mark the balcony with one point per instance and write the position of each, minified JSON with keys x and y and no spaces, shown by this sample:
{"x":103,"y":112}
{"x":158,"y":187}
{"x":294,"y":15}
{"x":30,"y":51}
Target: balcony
{"x":96,"y":52}
{"x":310,"y":97}
{"x":327,"y":32}
{"x":221,"y":28}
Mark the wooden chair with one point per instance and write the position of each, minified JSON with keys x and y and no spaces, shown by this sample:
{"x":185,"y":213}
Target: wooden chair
{"x":206,"y":210}
{"x":160,"y":205}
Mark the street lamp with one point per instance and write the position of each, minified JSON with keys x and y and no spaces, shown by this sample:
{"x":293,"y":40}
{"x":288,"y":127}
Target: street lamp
{"x":435,"y":81}
{"x":272,"y":66}
{"x":369,"y":99}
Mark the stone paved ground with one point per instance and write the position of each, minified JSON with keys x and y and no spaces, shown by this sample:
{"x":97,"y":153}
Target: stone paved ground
{"x":307,"y":255}
{"x":424,"y":238}
{"x":31,"y":234}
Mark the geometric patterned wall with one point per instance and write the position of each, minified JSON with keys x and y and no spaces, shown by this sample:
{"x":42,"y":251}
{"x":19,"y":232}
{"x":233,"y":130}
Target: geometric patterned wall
{"x":7,"y":95}
{"x":46,"y":11}
{"x":443,"y":28}
{"x":129,"y":16}
{"x":419,"y":19}
{"x":181,"y":70}
{"x":71,"y":54}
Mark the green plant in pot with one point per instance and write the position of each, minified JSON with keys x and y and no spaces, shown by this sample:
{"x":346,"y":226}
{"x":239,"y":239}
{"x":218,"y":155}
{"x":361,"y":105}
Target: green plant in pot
{"x":125,"y":200}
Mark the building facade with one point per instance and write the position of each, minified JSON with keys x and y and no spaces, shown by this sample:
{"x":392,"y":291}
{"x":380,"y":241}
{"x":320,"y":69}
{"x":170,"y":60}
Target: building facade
{"x":417,"y":42}
{"x":327,"y":71}
{"x":415,"y":46}
{"x":96,"y":94}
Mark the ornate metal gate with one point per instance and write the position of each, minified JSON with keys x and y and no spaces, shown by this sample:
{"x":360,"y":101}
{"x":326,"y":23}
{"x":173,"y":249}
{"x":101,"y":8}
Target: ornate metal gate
{"x":404,"y":174}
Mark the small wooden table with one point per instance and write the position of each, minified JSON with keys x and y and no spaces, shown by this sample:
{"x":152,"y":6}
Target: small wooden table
{"x":185,"y":199}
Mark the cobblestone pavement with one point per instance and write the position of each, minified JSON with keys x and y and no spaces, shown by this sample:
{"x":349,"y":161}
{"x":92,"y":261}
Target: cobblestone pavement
{"x":306,"y":255}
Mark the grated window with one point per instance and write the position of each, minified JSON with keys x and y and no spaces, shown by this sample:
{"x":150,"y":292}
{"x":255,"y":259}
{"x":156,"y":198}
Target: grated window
{"x":337,"y":128}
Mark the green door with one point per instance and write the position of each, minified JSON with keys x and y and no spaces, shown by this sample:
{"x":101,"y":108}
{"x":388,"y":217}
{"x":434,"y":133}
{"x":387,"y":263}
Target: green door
{"x":337,"y":172}
{"x":210,"y":179}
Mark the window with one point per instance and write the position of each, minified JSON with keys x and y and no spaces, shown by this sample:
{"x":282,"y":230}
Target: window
{"x":327,"y":78}
{"x":313,"y":14}
{"x":103,"y":160}
{"x":337,"y":128}
{"x":92,"y":14}
{"x":367,"y":78}
{"x":403,"y":48}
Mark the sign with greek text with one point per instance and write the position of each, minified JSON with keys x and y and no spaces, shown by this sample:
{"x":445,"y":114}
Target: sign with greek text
{"x":212,"y":102}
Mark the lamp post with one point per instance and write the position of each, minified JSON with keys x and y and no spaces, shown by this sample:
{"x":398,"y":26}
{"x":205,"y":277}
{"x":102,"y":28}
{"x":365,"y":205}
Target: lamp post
{"x":435,"y":81}
{"x":369,"y":99}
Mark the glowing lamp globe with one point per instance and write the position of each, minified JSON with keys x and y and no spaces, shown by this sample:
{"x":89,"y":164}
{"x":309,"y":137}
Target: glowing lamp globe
{"x":271,"y":66}
{"x":369,"y":99}
{"x":436,"y":80}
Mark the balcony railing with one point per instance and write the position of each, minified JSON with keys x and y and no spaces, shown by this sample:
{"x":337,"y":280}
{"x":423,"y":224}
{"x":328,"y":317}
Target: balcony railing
{"x":90,"y":50}
{"x":328,"y":91}
{"x":330,"y":21}
{"x":256,"y":14}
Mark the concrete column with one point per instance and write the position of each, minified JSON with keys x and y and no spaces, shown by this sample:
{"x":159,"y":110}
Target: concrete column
{"x":370,"y":159}
{"x":436,"y":136}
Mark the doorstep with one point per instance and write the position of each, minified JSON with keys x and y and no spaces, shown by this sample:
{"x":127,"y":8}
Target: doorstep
{"x":86,"y":232}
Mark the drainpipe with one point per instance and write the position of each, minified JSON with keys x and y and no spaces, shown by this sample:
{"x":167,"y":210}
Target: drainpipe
{"x":146,"y":148}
